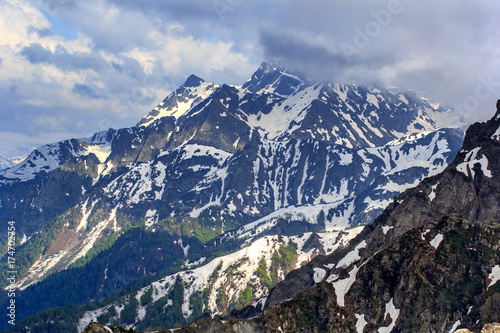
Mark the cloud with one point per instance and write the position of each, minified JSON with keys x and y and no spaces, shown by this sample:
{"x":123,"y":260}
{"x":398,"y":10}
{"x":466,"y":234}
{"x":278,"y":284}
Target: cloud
{"x":85,"y":91}
{"x":108,"y":62}
{"x":442,"y":50}
{"x":37,"y":54}
{"x":291,"y":51}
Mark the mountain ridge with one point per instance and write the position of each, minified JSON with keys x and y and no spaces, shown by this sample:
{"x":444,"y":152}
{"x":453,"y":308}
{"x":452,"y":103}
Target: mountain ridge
{"x":209,"y":164}
{"x":430,"y":261}
{"x":453,"y":212}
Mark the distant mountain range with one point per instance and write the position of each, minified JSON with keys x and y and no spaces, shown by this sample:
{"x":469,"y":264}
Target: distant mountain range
{"x":6,"y":163}
{"x":209,"y":173}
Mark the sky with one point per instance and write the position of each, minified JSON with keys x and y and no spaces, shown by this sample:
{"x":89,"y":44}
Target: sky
{"x":70,"y":68}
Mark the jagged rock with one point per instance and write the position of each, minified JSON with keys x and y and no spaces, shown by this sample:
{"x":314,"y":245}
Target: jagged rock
{"x":491,"y":328}
{"x":96,"y":327}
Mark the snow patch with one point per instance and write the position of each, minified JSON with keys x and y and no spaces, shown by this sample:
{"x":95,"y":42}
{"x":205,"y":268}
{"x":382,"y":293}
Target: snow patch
{"x":352,"y":256}
{"x":342,"y":286}
{"x":422,"y":235}
{"x":436,"y":241}
{"x":386,"y":228}
{"x":403,"y":99}
{"x":470,"y":160}
{"x":432,"y":195}
{"x":185,"y":249}
{"x":360,"y":322}
{"x":319,"y":274}
{"x":91,"y":316}
{"x":93,"y":235}
{"x":101,"y":151}
{"x":390,"y":310}
{"x":372,"y":99}
{"x":41,"y":267}
{"x":86,"y":214}
{"x":494,"y":275}
{"x":454,"y":327}
{"x":150,"y":217}
{"x":262,"y":302}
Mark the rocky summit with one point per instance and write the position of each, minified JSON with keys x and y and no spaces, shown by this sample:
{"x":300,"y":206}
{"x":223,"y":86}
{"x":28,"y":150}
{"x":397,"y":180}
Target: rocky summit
{"x":207,"y":203}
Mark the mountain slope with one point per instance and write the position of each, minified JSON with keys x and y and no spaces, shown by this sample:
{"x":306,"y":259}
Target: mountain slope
{"x":279,"y":155}
{"x":187,"y":156}
{"x":350,"y":186}
{"x":192,"y":92}
{"x":430,"y":261}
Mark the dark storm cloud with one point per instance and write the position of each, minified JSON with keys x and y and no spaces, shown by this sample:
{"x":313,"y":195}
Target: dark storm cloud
{"x":292,"y":52}
{"x":320,"y":62}
{"x":442,"y":50}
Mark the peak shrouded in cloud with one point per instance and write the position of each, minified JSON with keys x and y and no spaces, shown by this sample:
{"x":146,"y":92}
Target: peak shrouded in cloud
{"x":76,"y":67}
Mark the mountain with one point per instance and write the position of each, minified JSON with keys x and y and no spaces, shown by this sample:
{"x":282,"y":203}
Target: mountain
{"x":209,"y":171}
{"x":429,"y":262}
{"x":191,"y":93}
{"x":6,"y":163}
{"x":223,"y":124}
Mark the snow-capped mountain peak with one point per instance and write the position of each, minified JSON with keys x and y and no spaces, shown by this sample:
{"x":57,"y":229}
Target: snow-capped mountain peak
{"x":272,"y":78}
{"x":192,"y":92}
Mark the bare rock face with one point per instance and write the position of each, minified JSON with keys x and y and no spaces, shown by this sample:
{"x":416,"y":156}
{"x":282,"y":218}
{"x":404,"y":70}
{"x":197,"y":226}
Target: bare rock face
{"x":211,"y":326}
{"x":95,"y":327}
{"x":491,"y":328}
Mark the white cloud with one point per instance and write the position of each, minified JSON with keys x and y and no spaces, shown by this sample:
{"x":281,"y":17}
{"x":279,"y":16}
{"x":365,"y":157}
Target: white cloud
{"x":145,"y":58}
{"x":18,"y":21}
{"x":180,"y":53}
{"x":108,"y":62}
